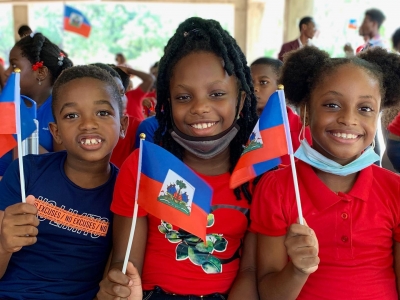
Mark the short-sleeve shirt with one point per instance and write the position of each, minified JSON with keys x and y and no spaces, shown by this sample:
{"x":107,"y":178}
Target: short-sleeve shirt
{"x":65,"y":262}
{"x":44,"y":117}
{"x":126,"y":145}
{"x":355,"y":230}
{"x":134,"y":107}
{"x":148,"y":127}
{"x":179,"y":262}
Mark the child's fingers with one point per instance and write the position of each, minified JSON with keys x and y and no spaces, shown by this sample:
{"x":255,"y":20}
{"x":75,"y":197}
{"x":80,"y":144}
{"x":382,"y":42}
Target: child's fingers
{"x":21,"y":208}
{"x":116,"y":284}
{"x":30,"y":199}
{"x":136,"y":287}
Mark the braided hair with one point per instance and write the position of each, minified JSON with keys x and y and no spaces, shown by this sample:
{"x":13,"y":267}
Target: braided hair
{"x":39,"y":48}
{"x":195,"y":35}
{"x":306,"y":68}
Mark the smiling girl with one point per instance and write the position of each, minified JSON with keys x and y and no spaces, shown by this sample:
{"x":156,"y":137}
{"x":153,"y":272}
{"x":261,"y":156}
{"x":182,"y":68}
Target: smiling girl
{"x":206,"y":112}
{"x":349,"y":248}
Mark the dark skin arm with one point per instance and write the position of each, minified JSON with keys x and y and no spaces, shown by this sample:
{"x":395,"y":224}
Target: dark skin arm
{"x":245,"y":284}
{"x":117,"y":284}
{"x":279,"y":278}
{"x":396,"y":253}
{"x":147,"y":79}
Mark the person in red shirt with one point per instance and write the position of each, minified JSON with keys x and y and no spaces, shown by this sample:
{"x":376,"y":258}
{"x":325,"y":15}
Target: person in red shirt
{"x":265,"y":72}
{"x":134,"y":106}
{"x":204,"y":93}
{"x":349,"y":245}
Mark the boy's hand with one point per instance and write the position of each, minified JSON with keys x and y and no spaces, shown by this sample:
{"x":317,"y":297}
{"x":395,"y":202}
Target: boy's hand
{"x":117,"y":284}
{"x":302,"y":248}
{"x":19,"y":226}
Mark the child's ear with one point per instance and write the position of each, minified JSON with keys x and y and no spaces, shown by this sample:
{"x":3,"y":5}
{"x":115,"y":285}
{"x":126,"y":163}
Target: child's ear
{"x":242,"y":99}
{"x":42,"y":73}
{"x":124,"y":125}
{"x":54,"y":132}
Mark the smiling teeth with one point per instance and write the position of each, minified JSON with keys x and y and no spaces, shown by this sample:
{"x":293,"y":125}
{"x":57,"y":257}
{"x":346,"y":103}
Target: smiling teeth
{"x":90,"y":141}
{"x":345,"y":136}
{"x":203,"y":125}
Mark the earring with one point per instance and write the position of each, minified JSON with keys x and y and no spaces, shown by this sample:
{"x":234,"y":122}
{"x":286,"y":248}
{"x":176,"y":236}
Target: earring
{"x":40,"y":82}
{"x":122,"y":134}
{"x":373,"y":144}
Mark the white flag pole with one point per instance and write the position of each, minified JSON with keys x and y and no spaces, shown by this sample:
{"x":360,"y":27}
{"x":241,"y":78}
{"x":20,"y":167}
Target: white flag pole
{"x":17,"y":101}
{"x":135,"y":208}
{"x":282,"y":101}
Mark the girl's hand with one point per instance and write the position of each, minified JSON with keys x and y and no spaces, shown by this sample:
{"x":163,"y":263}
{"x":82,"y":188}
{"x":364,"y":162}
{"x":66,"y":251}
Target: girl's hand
{"x":19,"y":226}
{"x":302,"y":247}
{"x":117,"y":284}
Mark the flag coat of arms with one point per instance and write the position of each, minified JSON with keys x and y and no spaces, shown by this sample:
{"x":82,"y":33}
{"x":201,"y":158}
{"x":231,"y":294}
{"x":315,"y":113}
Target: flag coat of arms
{"x":267,"y":143}
{"x":172,"y":192}
{"x":8,"y":123}
{"x":75,"y":21}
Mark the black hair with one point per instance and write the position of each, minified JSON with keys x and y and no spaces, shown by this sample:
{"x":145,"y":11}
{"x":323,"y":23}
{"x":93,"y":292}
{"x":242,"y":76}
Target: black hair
{"x":107,"y":68}
{"x":39,"y":48}
{"x":305,"y":68}
{"x":155,"y":65}
{"x":23,"y":30}
{"x":396,"y":38}
{"x":200,"y":35}
{"x":89,"y":71}
{"x":121,"y":55}
{"x":275,"y":64}
{"x":376,"y":15}
{"x":124,"y":77}
{"x":305,"y":21}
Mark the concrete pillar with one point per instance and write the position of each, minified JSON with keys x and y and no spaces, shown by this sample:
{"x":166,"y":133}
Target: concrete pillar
{"x":294,"y":11}
{"x":255,"y":13}
{"x":240,"y":33}
{"x":20,"y":14}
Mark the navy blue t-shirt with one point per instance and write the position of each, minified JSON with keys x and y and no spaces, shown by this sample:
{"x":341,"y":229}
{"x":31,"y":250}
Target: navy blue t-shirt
{"x":65,"y":263}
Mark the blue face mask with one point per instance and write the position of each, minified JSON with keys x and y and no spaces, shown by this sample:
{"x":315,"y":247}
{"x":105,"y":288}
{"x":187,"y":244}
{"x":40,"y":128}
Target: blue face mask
{"x":317,"y":160}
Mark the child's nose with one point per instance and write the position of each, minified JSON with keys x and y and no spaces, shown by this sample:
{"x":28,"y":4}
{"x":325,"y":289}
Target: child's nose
{"x":88,"y":123}
{"x":348,"y":117}
{"x":200,"y":106}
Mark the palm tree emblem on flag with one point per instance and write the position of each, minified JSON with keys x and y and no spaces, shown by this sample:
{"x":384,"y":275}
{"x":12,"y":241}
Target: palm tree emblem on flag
{"x":177,"y":193}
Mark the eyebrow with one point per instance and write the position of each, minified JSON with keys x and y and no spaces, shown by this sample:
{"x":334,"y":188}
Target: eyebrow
{"x":339,"y":94}
{"x":98,"y":102}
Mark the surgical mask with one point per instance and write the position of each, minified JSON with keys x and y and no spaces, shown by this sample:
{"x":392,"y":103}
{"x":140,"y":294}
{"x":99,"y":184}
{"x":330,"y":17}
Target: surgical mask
{"x":317,"y":160}
{"x":205,"y":147}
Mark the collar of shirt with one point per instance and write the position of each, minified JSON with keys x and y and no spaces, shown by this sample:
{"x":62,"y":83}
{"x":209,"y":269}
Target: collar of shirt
{"x":322,"y":197}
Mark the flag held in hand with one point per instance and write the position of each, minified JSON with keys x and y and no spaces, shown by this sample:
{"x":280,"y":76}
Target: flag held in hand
{"x":267,"y":142}
{"x":172,"y":192}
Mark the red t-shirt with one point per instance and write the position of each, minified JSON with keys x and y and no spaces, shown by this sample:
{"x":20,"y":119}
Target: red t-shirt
{"x":295,"y":128}
{"x":394,"y":126}
{"x":125,"y":146}
{"x":180,"y":266}
{"x":355,"y":230}
{"x":134,"y":107}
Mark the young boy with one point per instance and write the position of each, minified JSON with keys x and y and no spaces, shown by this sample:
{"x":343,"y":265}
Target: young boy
{"x":57,"y":244}
{"x":265,"y":72}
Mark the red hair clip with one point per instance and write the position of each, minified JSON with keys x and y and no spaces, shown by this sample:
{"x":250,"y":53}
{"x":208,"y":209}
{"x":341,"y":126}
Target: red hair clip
{"x":37,"y":65}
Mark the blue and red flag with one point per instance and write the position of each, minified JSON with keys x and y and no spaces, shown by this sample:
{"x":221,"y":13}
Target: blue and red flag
{"x":76,"y":22}
{"x":9,"y":98}
{"x":267,"y":143}
{"x":172,"y":192}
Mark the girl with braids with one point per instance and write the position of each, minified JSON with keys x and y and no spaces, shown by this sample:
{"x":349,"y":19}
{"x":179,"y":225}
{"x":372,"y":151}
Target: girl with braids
{"x":349,"y":248}
{"x":40,"y":62}
{"x":206,"y":112}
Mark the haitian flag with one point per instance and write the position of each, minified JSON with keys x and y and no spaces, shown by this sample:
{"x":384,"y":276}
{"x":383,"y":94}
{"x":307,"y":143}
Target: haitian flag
{"x":76,"y":22}
{"x":172,"y":192}
{"x":267,"y":143}
{"x":9,"y":98}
